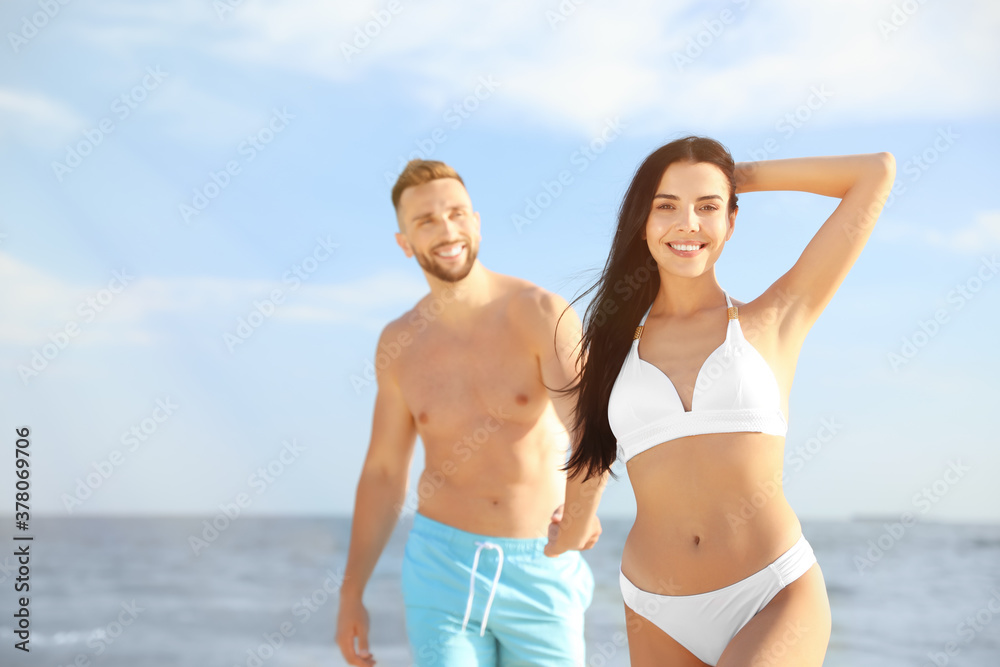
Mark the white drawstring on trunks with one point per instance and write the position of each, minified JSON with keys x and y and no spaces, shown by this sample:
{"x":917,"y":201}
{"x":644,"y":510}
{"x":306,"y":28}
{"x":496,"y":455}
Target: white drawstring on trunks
{"x":472,"y":585}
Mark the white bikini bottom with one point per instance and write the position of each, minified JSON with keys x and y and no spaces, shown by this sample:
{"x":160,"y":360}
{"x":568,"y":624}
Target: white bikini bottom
{"x":705,"y":623}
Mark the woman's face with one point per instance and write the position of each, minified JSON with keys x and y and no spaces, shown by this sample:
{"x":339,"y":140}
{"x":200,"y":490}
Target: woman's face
{"x":688,"y":224}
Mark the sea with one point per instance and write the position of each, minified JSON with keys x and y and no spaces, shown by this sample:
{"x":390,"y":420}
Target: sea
{"x":262,"y":592}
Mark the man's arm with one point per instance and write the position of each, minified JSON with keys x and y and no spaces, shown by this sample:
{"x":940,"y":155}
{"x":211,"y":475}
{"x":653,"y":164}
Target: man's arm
{"x":380,"y":495}
{"x":574,"y":524}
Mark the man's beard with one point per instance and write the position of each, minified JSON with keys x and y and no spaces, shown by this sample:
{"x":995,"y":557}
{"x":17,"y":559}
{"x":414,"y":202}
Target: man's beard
{"x":429,"y":264}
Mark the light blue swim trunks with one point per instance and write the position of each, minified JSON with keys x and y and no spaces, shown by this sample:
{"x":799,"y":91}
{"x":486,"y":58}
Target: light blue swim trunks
{"x":475,"y":600}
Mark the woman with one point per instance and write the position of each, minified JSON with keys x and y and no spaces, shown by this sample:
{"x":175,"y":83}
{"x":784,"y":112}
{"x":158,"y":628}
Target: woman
{"x":691,"y":388}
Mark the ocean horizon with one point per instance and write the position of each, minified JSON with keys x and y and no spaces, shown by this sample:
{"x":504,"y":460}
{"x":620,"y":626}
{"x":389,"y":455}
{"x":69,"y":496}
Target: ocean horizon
{"x":262,"y":591}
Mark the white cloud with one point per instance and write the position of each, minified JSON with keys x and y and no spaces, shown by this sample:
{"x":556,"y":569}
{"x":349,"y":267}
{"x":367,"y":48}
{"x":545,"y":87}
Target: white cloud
{"x":981,"y":235}
{"x":187,"y":110}
{"x":29,"y":113}
{"x":42,"y":304}
{"x":607,"y":60}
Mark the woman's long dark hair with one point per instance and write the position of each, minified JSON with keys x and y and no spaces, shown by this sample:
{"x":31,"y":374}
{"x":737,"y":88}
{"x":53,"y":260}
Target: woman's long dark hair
{"x":625,"y":289}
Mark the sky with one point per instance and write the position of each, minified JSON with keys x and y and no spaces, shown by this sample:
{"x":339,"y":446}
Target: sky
{"x":196,"y":251}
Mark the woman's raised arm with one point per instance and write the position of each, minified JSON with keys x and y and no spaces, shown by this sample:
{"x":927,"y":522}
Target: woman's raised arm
{"x":862,"y":183}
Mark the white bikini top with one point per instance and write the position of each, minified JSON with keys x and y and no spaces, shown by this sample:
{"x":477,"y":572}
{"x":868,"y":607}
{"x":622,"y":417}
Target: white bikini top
{"x":735,"y":390}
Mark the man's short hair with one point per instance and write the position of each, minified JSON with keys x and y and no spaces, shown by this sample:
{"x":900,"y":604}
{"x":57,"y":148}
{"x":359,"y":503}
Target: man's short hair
{"x":418,"y":172}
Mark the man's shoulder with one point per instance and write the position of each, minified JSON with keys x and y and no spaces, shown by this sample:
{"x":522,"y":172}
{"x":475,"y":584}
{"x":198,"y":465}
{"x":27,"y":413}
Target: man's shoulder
{"x":404,"y":323}
{"x":526,"y":298}
{"x":533,"y":308}
{"x":396,"y":326}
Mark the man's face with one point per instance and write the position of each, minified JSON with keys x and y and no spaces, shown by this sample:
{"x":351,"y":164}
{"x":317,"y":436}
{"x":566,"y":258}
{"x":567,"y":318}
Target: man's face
{"x":439,"y":228}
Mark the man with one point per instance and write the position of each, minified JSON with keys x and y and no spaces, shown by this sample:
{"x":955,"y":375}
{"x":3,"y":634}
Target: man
{"x":472,"y":364}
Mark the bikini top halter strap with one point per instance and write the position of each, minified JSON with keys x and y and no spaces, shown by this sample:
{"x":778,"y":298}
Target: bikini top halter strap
{"x":732,"y":311}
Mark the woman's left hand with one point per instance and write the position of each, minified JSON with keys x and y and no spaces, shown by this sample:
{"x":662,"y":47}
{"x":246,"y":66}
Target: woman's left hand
{"x":561,"y":538}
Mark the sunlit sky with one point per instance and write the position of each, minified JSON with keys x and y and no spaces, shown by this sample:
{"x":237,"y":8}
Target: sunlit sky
{"x":169,"y":169}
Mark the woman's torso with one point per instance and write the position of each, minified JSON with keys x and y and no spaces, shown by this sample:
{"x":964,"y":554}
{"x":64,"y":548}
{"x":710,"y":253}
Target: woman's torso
{"x":710,"y":507}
